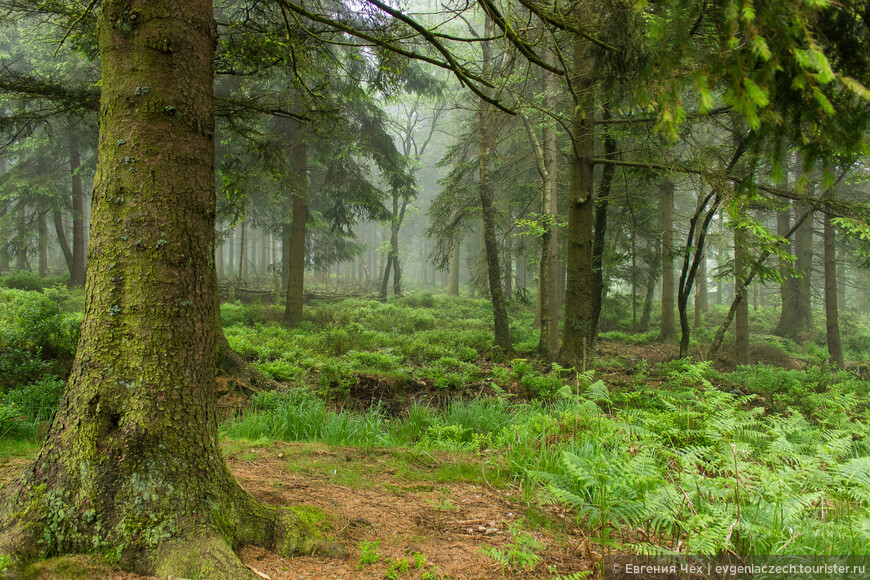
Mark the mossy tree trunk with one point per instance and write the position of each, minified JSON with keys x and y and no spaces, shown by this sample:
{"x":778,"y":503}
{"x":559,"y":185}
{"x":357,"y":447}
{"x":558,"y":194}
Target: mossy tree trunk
{"x":131,"y":464}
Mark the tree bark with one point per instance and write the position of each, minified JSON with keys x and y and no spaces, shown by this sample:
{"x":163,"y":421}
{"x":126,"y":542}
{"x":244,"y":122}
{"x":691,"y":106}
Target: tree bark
{"x":547,"y":154}
{"x":832,"y":313}
{"x":61,"y":239}
{"x":131,"y":461}
{"x":578,"y":333}
{"x":299,"y":193}
{"x":667,"y":331}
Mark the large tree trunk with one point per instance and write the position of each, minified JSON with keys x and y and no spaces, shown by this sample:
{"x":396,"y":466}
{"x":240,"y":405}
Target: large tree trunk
{"x":77,"y":270}
{"x":487,"y":144}
{"x":578,"y":333}
{"x":666,"y":190}
{"x":131,"y":461}
{"x":299,"y":193}
{"x":832,"y":314}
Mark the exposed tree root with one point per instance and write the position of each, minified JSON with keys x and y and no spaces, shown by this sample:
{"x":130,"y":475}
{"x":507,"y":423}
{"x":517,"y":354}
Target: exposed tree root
{"x":247,"y":379}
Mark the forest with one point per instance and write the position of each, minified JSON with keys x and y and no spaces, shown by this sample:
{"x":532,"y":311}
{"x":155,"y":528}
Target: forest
{"x":433,"y":291}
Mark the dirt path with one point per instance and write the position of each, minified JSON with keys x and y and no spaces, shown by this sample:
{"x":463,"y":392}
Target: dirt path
{"x":436,"y":512}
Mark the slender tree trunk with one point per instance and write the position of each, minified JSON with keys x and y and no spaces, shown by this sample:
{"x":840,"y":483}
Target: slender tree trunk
{"x":697,"y":237}
{"x":131,"y":461}
{"x":265,"y":262}
{"x":653,"y":277}
{"x":702,"y":303}
{"x":4,"y":254}
{"x":21,"y":262}
{"x":667,"y":331}
{"x":42,"y":230}
{"x":243,"y":250}
{"x":487,"y":143}
{"x":77,"y":271}
{"x":739,"y":296}
{"x":508,"y":263}
{"x":61,"y":239}
{"x":803,"y":286}
{"x":385,"y":279}
{"x":231,"y":246}
{"x":788,"y":287}
{"x":832,"y":313}
{"x":634,"y":283}
{"x":741,"y":326}
{"x":547,"y":155}
{"x":549,"y":285}
{"x":453,"y":266}
{"x":299,"y":192}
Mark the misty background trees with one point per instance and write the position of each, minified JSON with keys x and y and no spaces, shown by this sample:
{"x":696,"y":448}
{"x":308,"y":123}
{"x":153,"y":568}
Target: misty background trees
{"x":609,"y":165}
{"x":607,"y":158}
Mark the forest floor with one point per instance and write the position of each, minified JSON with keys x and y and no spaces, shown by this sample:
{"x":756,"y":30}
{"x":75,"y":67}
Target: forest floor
{"x":435,"y":511}
{"x":427,"y":515}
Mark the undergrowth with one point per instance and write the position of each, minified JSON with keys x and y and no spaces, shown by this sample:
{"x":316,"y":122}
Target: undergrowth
{"x":666,"y":458}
